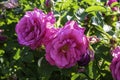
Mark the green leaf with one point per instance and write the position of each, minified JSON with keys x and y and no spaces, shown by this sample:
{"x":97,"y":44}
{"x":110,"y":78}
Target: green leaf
{"x":66,"y":4}
{"x":95,"y":8}
{"x":75,"y":76}
{"x":45,"y":69}
{"x":95,"y":21}
{"x":17,"y":55}
{"x":2,"y":52}
{"x":90,"y":2}
{"x":114,"y":4}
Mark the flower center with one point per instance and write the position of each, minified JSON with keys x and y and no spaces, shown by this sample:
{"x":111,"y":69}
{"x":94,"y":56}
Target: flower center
{"x":64,"y":48}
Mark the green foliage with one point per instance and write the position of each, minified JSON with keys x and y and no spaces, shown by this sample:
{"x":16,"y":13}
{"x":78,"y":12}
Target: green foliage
{"x":20,"y":62}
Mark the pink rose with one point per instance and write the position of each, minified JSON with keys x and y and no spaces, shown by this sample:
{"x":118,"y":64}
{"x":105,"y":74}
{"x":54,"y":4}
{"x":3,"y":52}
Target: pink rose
{"x":86,"y":58}
{"x":115,"y":67}
{"x":115,"y":64}
{"x":116,"y":51}
{"x":68,"y":46}
{"x":110,"y":2}
{"x":49,"y":35}
{"x":93,"y":39}
{"x":32,"y":28}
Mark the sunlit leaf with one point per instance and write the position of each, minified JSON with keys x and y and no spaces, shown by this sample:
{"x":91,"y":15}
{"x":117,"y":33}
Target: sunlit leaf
{"x":95,"y":8}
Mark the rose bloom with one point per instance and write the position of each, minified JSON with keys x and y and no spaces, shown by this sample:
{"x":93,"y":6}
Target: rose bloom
{"x":111,"y":1}
{"x":67,"y":47}
{"x":116,"y":51}
{"x":115,"y":67}
{"x":113,"y":8}
{"x":86,"y":58}
{"x":115,"y":64}
{"x":32,"y":28}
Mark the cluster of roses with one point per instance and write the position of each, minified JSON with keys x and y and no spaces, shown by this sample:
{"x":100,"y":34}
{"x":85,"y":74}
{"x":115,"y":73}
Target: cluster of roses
{"x":64,"y":46}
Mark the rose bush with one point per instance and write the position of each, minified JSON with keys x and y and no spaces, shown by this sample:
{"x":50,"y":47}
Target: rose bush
{"x":54,"y":45}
